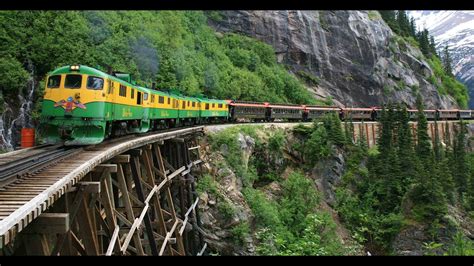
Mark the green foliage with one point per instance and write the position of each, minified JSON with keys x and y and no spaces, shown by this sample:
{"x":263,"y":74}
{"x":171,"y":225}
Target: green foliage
{"x":214,"y":15}
{"x":461,"y":246}
{"x":276,"y":142}
{"x":449,"y":83}
{"x":207,"y":184}
{"x":240,"y":232}
{"x":431,"y":248}
{"x":290,"y":225}
{"x":12,"y":76}
{"x":317,"y":146}
{"x":225,"y":209}
{"x":333,"y":126}
{"x":265,"y":211}
{"x":298,"y":201}
{"x":309,"y":78}
{"x":175,"y":49}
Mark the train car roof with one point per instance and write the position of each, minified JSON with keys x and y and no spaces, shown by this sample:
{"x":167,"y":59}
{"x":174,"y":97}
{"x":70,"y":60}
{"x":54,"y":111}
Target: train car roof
{"x":86,"y":70}
{"x":416,"y":110}
{"x":207,"y":100}
{"x":248,"y":104}
{"x":286,"y":106}
{"x":357,"y":109}
{"x":321,"y":107}
{"x":82,"y":70}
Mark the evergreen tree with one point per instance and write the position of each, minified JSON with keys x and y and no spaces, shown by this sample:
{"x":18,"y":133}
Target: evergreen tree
{"x":433,"y":46}
{"x":423,"y":147}
{"x":389,"y":16}
{"x":424,"y":42}
{"x":412,"y":28}
{"x":446,"y":177}
{"x":403,"y":23}
{"x":405,"y":150}
{"x":385,"y":132}
{"x":333,"y":126}
{"x":349,"y":131}
{"x":447,"y":61}
{"x":460,"y":171}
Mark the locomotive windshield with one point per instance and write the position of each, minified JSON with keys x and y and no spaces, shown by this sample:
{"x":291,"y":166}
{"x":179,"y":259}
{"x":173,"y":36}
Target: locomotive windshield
{"x":73,"y":81}
{"x":95,"y":83}
{"x":53,"y":81}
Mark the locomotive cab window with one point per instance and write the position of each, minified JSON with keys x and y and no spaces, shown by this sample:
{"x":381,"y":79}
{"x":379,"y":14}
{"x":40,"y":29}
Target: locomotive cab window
{"x":53,"y":81}
{"x":95,"y":83}
{"x":73,"y":81}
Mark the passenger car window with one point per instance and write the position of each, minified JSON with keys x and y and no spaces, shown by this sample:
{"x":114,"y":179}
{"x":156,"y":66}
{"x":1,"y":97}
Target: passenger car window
{"x":54,"y":81}
{"x":95,"y":83}
{"x":73,"y":81}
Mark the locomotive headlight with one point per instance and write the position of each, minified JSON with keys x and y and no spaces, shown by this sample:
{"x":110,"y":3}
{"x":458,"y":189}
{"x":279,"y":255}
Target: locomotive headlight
{"x":74,"y":67}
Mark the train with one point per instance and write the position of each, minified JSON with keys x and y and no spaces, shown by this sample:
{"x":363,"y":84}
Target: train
{"x":84,"y":106}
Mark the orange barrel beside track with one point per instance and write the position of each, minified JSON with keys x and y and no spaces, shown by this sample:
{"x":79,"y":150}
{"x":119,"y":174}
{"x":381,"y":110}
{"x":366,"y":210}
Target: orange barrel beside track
{"x":27,"y":137}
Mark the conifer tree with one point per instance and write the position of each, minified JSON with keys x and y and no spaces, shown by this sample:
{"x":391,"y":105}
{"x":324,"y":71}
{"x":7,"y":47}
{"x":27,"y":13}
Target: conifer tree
{"x":424,"y":42}
{"x":403,"y":23}
{"x":460,"y":171}
{"x":447,"y":61}
{"x":349,"y":130}
{"x":446,"y":177}
{"x":433,"y":46}
{"x":412,"y":27}
{"x":405,"y":149}
{"x":423,"y":147}
{"x":385,"y":132}
{"x":389,"y":17}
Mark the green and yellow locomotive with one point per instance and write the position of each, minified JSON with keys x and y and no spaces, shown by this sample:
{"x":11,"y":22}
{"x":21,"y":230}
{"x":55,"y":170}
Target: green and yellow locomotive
{"x":83,"y":106}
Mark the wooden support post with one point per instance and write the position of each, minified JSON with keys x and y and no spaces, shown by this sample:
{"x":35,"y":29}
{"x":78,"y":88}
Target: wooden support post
{"x":128,"y":207}
{"x":138,"y":187}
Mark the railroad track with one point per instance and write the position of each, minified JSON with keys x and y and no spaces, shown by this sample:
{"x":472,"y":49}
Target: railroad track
{"x":33,"y":161}
{"x":25,"y":198}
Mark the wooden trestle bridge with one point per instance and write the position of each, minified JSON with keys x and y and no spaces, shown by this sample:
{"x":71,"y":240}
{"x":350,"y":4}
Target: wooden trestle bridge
{"x":133,"y":195}
{"x":129,"y":196}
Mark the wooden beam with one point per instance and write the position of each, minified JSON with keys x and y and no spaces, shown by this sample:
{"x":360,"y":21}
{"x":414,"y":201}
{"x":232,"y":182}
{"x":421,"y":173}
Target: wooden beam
{"x":101,"y":167}
{"x":122,"y":158}
{"x":90,"y":186}
{"x":50,"y":223}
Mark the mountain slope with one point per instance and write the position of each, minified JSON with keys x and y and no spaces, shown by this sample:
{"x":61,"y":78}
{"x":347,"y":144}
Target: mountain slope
{"x":351,"y":56}
{"x":456,"y":29}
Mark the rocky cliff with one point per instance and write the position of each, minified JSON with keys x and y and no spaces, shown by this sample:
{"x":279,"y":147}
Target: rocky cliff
{"x":352,"y":57}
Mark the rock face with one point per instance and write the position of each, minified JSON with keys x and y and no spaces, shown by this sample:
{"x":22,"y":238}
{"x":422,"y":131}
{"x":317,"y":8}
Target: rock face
{"x":354,"y":55}
{"x":329,"y":173}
